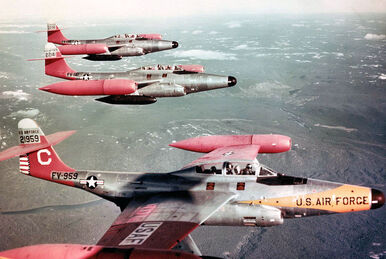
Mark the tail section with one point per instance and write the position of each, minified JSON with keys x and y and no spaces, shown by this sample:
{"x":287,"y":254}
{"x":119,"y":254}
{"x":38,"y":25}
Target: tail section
{"x":55,"y":65}
{"x":37,"y":156}
{"x":54,"y":35}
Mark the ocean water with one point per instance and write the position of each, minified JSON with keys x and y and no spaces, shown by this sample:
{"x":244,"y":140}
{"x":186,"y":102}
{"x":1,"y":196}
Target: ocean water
{"x":319,"y":79}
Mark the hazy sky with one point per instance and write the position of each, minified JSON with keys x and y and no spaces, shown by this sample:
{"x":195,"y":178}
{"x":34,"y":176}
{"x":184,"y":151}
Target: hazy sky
{"x":71,"y":9}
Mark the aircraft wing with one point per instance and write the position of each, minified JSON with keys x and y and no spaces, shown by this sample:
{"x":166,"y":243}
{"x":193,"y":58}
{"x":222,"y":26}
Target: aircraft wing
{"x":161,"y":221}
{"x":238,"y":153}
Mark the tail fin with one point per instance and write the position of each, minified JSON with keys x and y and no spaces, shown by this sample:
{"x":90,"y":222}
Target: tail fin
{"x":55,"y":65}
{"x":37,"y":156}
{"x":54,"y":35}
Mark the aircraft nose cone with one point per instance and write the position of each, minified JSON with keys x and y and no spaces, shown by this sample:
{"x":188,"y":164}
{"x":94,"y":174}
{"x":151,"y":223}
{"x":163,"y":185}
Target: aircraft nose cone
{"x":377,"y":199}
{"x":232,"y":81}
{"x":174,"y":44}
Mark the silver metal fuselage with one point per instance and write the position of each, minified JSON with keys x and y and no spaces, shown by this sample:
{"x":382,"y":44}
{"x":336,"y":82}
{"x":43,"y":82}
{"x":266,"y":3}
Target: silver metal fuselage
{"x":131,"y":47}
{"x":162,"y":83}
{"x":243,"y":210}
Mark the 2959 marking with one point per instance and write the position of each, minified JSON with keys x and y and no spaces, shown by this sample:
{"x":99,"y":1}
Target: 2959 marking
{"x":64,"y":176}
{"x":29,"y":139}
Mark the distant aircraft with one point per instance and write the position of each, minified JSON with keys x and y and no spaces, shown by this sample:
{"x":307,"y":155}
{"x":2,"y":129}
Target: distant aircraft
{"x":225,"y":187}
{"x":137,"y":86}
{"x":111,"y":48}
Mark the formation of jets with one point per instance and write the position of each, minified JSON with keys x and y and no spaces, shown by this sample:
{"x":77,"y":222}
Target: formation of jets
{"x":227,"y":186}
{"x":137,"y":86}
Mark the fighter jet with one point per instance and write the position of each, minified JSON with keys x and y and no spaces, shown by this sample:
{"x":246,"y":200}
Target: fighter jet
{"x":137,"y":86}
{"x":111,"y":48}
{"x":225,"y":187}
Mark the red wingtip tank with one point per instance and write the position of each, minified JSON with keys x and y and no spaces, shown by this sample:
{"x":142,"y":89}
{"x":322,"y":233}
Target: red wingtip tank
{"x":151,"y":36}
{"x":192,"y":68}
{"x":83,"y":49}
{"x":92,"y":87}
{"x":268,"y":143}
{"x":77,"y":251}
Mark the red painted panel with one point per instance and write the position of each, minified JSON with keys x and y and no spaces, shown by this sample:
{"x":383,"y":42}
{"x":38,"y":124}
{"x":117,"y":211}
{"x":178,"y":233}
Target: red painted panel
{"x":76,"y":251}
{"x":268,"y":143}
{"x":83,"y":49}
{"x":93,"y":87}
{"x":151,"y":36}
{"x":192,"y":68}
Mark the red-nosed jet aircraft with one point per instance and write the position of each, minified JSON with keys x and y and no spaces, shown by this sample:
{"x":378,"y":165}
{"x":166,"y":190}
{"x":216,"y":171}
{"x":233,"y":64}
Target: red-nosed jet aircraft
{"x":225,"y":187}
{"x":111,"y":48}
{"x":137,"y":86}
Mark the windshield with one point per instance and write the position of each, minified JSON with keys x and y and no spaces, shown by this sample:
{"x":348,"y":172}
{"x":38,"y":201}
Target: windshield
{"x":265,"y":171}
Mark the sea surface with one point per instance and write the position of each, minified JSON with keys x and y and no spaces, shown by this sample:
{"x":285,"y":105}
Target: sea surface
{"x":320,"y":79}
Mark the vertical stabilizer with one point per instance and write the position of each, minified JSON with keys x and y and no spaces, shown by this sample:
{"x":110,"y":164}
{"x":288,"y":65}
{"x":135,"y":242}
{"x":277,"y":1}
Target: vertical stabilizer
{"x":55,"y":65}
{"x":43,"y":160}
{"x":54,"y":35}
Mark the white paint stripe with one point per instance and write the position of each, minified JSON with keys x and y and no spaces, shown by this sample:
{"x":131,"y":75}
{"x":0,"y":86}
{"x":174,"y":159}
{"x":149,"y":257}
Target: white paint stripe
{"x":24,"y":167}
{"x":24,"y":172}
{"x":23,"y":158}
{"x":24,"y":163}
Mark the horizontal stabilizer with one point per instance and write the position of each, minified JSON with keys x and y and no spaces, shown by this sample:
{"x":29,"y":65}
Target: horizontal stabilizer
{"x":22,"y":149}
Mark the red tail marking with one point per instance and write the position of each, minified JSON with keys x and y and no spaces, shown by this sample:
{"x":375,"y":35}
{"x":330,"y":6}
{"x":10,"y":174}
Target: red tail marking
{"x":58,"y":67}
{"x":56,"y":36}
{"x":45,"y":161}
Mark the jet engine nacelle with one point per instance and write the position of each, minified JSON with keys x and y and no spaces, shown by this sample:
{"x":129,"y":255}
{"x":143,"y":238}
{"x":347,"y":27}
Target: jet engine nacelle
{"x":246,"y":215}
{"x":162,"y":90}
{"x":269,"y":143}
{"x":127,"y":51}
{"x":93,"y":87}
{"x":83,"y":49}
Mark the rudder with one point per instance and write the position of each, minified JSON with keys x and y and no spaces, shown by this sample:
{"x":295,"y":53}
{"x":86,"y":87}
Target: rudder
{"x":55,"y":65}
{"x":41,"y":162}
{"x":54,"y":34}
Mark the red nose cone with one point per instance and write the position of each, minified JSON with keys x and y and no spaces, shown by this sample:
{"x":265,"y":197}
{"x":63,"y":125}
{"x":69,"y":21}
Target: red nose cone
{"x":45,"y":88}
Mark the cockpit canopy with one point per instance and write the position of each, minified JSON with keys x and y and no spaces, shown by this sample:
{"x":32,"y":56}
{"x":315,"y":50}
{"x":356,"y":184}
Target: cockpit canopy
{"x":162,"y":67}
{"x":236,"y":168}
{"x":125,"y":36}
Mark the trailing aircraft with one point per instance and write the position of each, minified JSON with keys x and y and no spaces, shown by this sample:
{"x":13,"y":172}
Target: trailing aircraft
{"x":225,"y":187}
{"x":137,"y":86}
{"x":111,"y":48}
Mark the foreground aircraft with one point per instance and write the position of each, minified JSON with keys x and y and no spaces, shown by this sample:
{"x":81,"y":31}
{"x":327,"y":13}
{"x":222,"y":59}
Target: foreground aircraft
{"x":137,"y":86}
{"x":111,"y":48}
{"x":225,"y":187}
{"x":77,"y":251}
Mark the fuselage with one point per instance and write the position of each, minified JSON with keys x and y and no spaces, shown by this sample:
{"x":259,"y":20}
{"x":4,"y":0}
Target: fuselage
{"x":130,"y":46}
{"x":159,"y":82}
{"x":259,"y":200}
